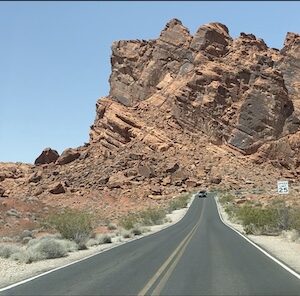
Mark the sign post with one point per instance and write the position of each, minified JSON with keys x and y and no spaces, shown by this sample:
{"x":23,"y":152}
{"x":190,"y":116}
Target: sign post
{"x":283,"y":187}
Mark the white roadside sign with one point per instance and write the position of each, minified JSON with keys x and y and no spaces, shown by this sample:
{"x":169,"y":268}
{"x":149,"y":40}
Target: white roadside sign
{"x":283,"y":187}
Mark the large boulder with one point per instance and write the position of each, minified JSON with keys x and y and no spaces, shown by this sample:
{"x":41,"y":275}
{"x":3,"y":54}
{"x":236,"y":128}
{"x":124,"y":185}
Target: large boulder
{"x":57,"y":188}
{"x":117,"y":180}
{"x":145,"y":171}
{"x":35,"y":177}
{"x":68,"y":156}
{"x":47,"y":156}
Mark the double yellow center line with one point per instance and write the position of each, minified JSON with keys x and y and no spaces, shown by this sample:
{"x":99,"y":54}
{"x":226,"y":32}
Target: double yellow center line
{"x":169,"y":265}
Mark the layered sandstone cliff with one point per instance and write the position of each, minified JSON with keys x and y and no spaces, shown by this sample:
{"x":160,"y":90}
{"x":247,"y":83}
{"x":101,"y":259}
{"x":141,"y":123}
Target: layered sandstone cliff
{"x":183,"y":112}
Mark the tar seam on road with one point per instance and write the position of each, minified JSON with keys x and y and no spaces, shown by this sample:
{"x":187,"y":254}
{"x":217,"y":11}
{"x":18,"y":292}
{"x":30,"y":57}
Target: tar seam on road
{"x":287,"y":268}
{"x":169,"y":265}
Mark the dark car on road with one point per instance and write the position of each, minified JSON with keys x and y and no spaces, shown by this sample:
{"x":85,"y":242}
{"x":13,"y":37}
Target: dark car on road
{"x":202,"y":194}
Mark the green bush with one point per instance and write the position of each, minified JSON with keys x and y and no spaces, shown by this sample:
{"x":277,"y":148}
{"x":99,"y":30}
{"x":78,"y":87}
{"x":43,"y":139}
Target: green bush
{"x":179,"y":202}
{"x":72,"y":225}
{"x":152,"y":216}
{"x":264,"y":220}
{"x":231,"y":209}
{"x":295,"y":219}
{"x":128,"y":222}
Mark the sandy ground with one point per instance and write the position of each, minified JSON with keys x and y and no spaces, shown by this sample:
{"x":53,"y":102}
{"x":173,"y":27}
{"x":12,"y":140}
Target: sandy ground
{"x":12,"y":271}
{"x":281,"y":247}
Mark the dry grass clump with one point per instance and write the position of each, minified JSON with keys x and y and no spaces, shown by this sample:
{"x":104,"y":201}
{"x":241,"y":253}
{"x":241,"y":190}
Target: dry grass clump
{"x":6,"y":250}
{"x":38,"y":249}
{"x":99,"y":239}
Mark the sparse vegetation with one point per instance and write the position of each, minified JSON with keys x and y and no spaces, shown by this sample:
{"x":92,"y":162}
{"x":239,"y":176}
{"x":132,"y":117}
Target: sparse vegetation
{"x":48,"y":248}
{"x":112,"y":226}
{"x":128,"y":222}
{"x":179,"y":202}
{"x":151,"y":216}
{"x":136,"y":231}
{"x":258,"y":219}
{"x":72,"y":225}
{"x":38,"y":249}
{"x":99,"y":239}
{"x":226,"y":198}
{"x":6,"y":250}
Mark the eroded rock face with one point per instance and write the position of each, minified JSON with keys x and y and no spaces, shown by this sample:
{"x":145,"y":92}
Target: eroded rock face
{"x":239,"y":92}
{"x":47,"y":156}
{"x":289,"y":66}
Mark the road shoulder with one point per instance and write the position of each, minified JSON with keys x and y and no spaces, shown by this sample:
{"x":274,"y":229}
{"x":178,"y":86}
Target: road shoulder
{"x":280,"y":247}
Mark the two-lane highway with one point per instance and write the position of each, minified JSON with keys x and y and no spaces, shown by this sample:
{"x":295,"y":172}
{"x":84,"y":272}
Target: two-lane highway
{"x":197,"y":256}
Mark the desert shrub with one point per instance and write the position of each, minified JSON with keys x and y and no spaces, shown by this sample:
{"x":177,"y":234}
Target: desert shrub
{"x":295,"y":219}
{"x":21,"y":256}
{"x":126,"y":234}
{"x":137,"y":230}
{"x":128,"y":222}
{"x":72,"y":225}
{"x":264,"y":220}
{"x":103,"y":239}
{"x":226,"y":198}
{"x":112,"y":226}
{"x":179,"y":202}
{"x":152,"y":216}
{"x":230,"y":209}
{"x":99,"y":239}
{"x":251,"y":229}
{"x":70,"y":246}
{"x":47,"y":249}
{"x":6,"y":250}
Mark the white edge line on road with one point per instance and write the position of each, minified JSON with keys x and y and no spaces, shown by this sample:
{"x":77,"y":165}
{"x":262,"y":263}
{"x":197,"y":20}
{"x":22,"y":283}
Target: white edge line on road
{"x":287,"y":268}
{"x":92,"y":255}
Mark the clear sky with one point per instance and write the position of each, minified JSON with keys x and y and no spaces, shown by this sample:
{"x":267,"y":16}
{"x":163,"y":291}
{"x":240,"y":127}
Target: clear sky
{"x":55,"y":59}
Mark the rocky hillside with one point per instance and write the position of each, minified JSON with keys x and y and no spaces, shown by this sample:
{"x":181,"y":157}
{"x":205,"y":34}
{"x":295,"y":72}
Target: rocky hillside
{"x":183,"y":112}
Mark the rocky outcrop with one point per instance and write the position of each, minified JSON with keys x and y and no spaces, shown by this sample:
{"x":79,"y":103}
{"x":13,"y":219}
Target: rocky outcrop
{"x":48,"y":155}
{"x":185,"y":111}
{"x":238,"y":92}
{"x":68,"y":156}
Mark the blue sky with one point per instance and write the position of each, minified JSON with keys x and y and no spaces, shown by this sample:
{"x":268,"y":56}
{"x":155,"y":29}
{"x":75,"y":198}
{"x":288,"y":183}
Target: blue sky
{"x":55,"y":59}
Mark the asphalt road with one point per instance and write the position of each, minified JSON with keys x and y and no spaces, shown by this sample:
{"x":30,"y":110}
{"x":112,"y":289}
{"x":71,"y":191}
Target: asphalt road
{"x":197,"y":256}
